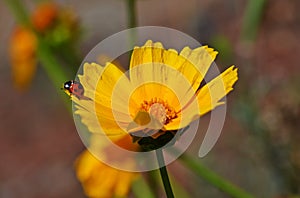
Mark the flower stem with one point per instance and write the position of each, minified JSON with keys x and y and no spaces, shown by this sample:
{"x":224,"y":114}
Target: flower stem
{"x":18,"y":10}
{"x":164,"y":173}
{"x":53,"y":69}
{"x":44,"y":53}
{"x":252,"y":19}
{"x":213,"y":178}
{"x":131,"y":13}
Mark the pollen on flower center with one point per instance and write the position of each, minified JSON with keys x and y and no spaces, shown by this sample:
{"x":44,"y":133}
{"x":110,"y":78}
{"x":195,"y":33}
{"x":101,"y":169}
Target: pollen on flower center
{"x":160,"y":110}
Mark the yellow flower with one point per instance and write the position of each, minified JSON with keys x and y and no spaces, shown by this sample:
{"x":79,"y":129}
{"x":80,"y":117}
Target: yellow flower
{"x":160,"y":94}
{"x":44,"y":16}
{"x":100,"y":180}
{"x":22,"y":49}
{"x":57,"y":25}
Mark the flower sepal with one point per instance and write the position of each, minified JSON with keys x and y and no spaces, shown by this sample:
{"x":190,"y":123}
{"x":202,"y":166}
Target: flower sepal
{"x":157,"y":140}
{"x":150,"y":143}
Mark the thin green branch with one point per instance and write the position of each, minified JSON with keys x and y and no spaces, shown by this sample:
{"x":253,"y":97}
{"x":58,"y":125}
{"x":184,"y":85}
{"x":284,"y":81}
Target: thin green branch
{"x":18,"y":9}
{"x":214,"y":179}
{"x":252,"y":19}
{"x":131,"y":13}
{"x":52,"y":68}
{"x":44,"y":54}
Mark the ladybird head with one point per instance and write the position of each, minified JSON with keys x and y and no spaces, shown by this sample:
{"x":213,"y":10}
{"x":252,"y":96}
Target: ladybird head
{"x":68,"y":85}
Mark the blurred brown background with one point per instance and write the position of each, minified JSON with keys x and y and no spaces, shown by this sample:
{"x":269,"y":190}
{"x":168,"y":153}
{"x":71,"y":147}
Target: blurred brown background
{"x":259,"y":146}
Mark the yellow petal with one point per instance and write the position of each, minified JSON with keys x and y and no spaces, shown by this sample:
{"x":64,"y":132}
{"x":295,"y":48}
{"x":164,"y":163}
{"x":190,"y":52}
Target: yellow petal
{"x":99,"y":180}
{"x":185,"y":117}
{"x":193,"y":64}
{"x":89,"y":117}
{"x":98,"y":113}
{"x":106,"y":87}
{"x":111,"y":88}
{"x":168,"y":85}
{"x":89,"y":79}
{"x":121,"y":188}
{"x":149,"y":91}
{"x":207,"y":99}
{"x":142,"y":118}
{"x":210,"y":95}
{"x":105,"y":126}
{"x":153,"y":63}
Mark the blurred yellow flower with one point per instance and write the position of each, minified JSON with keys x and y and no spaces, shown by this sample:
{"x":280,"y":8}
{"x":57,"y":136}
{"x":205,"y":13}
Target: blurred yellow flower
{"x":100,"y":180}
{"x":58,"y":26}
{"x":44,"y":16}
{"x":161,"y":93}
{"x":23,"y":45}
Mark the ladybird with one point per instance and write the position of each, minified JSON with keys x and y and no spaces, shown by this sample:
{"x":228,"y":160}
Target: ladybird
{"x":74,"y":88}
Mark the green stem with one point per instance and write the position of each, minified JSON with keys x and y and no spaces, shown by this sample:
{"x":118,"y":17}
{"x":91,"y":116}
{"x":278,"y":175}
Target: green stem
{"x":252,"y":18}
{"x":164,"y":173}
{"x":52,"y":68}
{"x":19,"y":11}
{"x":131,"y":13}
{"x":214,"y":179}
{"x":131,"y":9}
{"x":44,"y":53}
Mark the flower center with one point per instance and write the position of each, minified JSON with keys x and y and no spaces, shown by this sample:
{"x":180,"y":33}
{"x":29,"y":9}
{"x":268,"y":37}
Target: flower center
{"x":160,"y":110}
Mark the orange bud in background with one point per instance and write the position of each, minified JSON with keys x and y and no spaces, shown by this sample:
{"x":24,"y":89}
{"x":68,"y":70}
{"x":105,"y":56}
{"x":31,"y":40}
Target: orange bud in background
{"x":22,"y":49}
{"x":44,"y":16}
{"x":57,"y":26}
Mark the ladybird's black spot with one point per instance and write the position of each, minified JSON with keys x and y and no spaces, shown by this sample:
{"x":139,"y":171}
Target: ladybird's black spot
{"x":80,"y":86}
